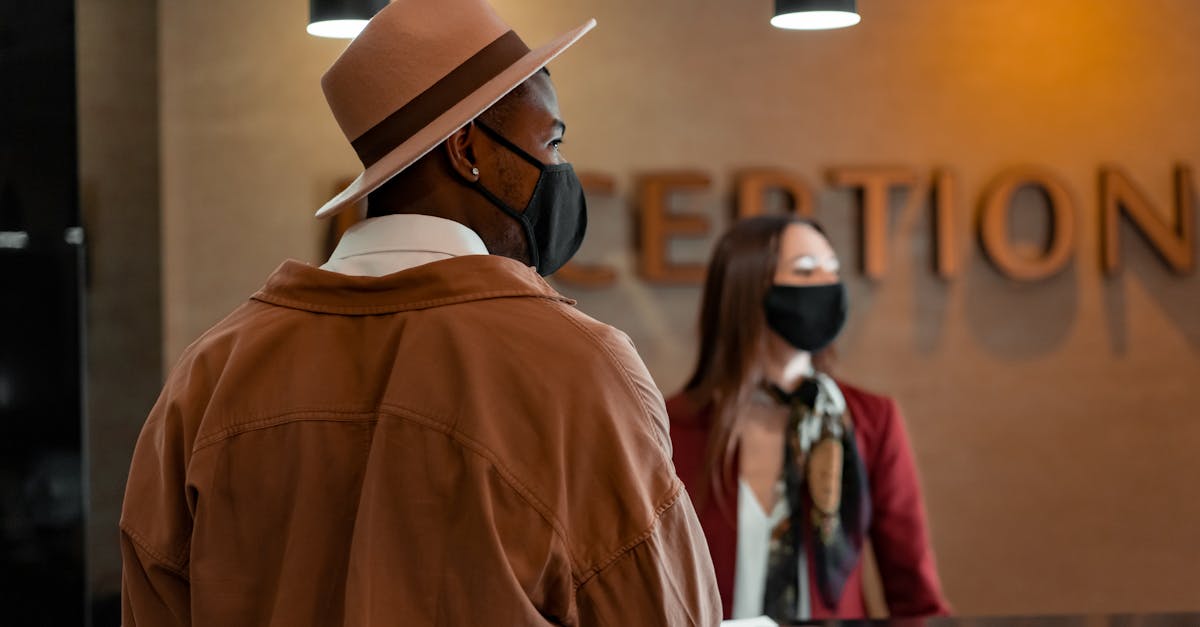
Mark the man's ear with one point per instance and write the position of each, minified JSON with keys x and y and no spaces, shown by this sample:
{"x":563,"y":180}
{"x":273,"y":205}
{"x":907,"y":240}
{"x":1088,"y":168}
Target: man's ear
{"x":460,"y":149}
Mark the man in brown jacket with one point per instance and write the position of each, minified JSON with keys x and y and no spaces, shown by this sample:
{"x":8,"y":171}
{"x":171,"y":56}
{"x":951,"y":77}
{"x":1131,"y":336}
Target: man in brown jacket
{"x":420,"y":432}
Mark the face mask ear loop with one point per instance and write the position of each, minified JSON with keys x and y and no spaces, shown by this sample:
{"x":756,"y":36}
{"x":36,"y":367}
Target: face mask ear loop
{"x":513,"y":148}
{"x":530,"y":242}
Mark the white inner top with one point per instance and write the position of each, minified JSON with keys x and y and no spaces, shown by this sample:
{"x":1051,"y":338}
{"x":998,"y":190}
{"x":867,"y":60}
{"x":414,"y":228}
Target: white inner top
{"x":753,"y":548}
{"x":381,"y":246}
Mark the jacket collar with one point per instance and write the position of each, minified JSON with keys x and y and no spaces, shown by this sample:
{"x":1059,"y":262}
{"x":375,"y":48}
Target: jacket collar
{"x":474,"y":277}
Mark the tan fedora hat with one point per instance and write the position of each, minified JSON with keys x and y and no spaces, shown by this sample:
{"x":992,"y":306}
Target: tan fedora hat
{"x":419,"y":71}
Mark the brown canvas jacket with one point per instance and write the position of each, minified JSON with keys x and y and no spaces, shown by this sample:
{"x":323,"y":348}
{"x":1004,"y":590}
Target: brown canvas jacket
{"x":448,"y":445}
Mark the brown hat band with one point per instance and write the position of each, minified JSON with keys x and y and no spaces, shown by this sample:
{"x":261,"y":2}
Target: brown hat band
{"x":463,"y":80}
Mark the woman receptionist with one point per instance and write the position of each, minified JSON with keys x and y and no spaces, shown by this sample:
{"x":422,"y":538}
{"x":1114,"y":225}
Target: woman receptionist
{"x":795,"y":474}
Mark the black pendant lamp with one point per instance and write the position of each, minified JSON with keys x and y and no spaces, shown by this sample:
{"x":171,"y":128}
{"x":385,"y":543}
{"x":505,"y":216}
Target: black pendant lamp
{"x":341,"y":19}
{"x":815,"y":14}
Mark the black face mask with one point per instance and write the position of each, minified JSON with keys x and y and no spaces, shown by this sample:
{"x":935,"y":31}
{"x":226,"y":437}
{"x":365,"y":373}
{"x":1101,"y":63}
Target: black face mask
{"x":809,"y":317}
{"x":555,"y":219}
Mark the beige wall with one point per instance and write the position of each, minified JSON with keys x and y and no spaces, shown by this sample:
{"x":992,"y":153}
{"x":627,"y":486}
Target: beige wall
{"x":1055,"y":422}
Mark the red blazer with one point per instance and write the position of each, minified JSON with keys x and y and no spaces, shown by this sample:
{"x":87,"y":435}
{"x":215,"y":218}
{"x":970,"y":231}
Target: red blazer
{"x":898,"y":531}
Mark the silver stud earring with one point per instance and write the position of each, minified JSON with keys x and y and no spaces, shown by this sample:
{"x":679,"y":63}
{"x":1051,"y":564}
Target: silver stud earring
{"x":475,"y":172}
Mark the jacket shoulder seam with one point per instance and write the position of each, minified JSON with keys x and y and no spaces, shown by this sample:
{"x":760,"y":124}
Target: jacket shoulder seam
{"x":626,"y":378}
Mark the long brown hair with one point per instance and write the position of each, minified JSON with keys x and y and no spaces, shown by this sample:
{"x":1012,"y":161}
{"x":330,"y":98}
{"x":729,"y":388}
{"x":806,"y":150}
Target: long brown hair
{"x":732,"y":336}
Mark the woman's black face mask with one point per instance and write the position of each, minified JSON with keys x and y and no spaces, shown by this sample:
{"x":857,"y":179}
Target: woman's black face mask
{"x":809,"y":317}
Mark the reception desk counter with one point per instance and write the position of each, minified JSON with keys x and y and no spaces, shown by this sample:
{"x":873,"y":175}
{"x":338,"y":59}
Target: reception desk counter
{"x":1097,"y":620}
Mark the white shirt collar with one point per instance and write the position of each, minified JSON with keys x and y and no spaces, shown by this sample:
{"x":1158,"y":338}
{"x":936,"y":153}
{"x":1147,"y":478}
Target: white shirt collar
{"x":388,"y":244}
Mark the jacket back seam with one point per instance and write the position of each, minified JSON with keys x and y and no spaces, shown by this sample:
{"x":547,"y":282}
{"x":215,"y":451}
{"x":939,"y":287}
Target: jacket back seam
{"x":177,"y":566}
{"x":671,"y":500}
{"x":404,"y":413}
{"x":400,"y":307}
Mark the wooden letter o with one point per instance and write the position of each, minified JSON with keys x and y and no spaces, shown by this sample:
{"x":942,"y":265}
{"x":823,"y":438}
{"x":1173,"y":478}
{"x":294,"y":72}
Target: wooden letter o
{"x":993,"y":225}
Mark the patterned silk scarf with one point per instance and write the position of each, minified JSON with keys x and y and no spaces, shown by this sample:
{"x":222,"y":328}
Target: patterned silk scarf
{"x":826,"y":488}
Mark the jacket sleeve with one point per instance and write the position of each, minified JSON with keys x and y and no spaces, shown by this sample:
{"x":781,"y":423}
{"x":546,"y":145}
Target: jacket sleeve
{"x":156,"y":525}
{"x":899,"y":533}
{"x":665,"y":580}
{"x":153,"y":592}
{"x":661,"y":576}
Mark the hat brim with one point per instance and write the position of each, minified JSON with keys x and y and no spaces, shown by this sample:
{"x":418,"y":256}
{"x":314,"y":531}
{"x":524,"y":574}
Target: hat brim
{"x":442,"y":127}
